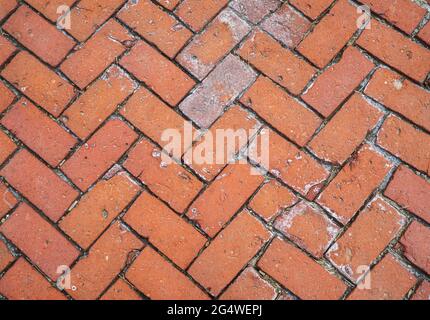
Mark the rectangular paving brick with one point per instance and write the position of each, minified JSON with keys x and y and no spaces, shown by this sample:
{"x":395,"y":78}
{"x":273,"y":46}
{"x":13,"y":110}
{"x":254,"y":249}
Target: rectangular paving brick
{"x":198,"y":13}
{"x":162,"y":175}
{"x":368,"y":236}
{"x":382,"y":285}
{"x":254,"y":10}
{"x":405,"y":14}
{"x":224,"y":197}
{"x":147,"y":64}
{"x":348,"y":191}
{"x":7,"y":200}
{"x":337,"y":82}
{"x":155,"y":25}
{"x":229,"y":252}
{"x":106,"y":258}
{"x":98,"y":208}
{"x":410,"y":191}
{"x":278,"y":63}
{"x":154,"y":221}
{"x":415,"y":245}
{"x":396,"y":50}
{"x":423,"y":292}
{"x":159,"y":280}
{"x":101,"y":99}
{"x":23,"y":282}
{"x":7,"y":146}
{"x":169,"y":4}
{"x":331,"y":34}
{"x":153,"y":117}
{"x":89,"y":15}
{"x":281,"y":110}
{"x":346,"y":130}
{"x":202,"y":54}
{"x":6,"y":49}
{"x":120,"y":291}
{"x":311,"y":8}
{"x":219,"y":89}
{"x":400,"y":95}
{"x":6,"y":256}
{"x":39,"y":36}
{"x":39,"y":240}
{"x":236,"y":124}
{"x":39,"y":184}
{"x":406,"y":142}
{"x":297,"y":272}
{"x":293,"y":166}
{"x":6,"y":97}
{"x":6,"y":6}
{"x":92,"y":58}
{"x":271,"y":199}
{"x":39,"y":132}
{"x":96,"y":156}
{"x":49,"y":7}
{"x":39,"y":83}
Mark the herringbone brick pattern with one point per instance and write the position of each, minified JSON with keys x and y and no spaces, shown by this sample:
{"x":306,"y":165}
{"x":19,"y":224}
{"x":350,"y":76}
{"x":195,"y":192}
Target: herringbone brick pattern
{"x":82,"y":184}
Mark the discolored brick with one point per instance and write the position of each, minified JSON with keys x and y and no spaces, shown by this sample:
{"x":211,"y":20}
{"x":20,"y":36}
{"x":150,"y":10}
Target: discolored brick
{"x":254,"y":10}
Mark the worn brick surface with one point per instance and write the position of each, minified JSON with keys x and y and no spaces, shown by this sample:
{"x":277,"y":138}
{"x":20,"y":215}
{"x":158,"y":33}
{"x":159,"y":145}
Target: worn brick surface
{"x":133,"y":149}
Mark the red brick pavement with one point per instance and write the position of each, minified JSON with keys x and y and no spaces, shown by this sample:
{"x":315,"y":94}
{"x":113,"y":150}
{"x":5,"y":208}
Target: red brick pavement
{"x":341,"y":211}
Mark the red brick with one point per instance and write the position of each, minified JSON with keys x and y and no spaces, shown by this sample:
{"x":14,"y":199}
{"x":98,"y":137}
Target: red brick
{"x":281,"y":110}
{"x":297,"y":272}
{"x":238,"y":125}
{"x":155,"y":221}
{"x":38,"y":35}
{"x":382,"y":285}
{"x":198,"y":13}
{"x":423,"y":292}
{"x":96,"y":156}
{"x":7,"y":200}
{"x":107,"y":257}
{"x":293,"y":166}
{"x":155,"y":25}
{"x":254,"y":10}
{"x":147,"y":64}
{"x":152,"y":116}
{"x":404,"y":141}
{"x":346,"y":130}
{"x":337,"y":82}
{"x":39,"y":184}
{"x":6,"y":256}
{"x":163,"y":176}
{"x":219,"y":89}
{"x":312,"y":8}
{"x":40,"y":241}
{"x":169,"y":4}
{"x":331,"y":34}
{"x":7,"y":146}
{"x":272,"y":199}
{"x":98,"y":102}
{"x":49,"y":7}
{"x":400,"y":95}
{"x":411,"y":192}
{"x":415,"y":245}
{"x":89,"y":15}
{"x":6,"y":97}
{"x":249,"y":286}
{"x":376,"y":226}
{"x":23,"y":282}
{"x":92,"y":58}
{"x":287,"y":26}
{"x":206,"y":49}
{"x":6,"y":6}
{"x":424,"y":34}
{"x":224,"y":197}
{"x":159,"y":280}
{"x":347,"y":192}
{"x":278,"y":63}
{"x":308,"y":226}
{"x":120,"y":290}
{"x":396,"y":50}
{"x":39,"y":132}
{"x":39,"y":83}
{"x":98,"y":208}
{"x":405,"y":14}
{"x":6,"y":49}
{"x":229,"y":252}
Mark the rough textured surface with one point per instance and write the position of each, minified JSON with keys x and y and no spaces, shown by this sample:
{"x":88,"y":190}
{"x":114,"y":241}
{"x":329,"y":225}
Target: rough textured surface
{"x":133,"y":149}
